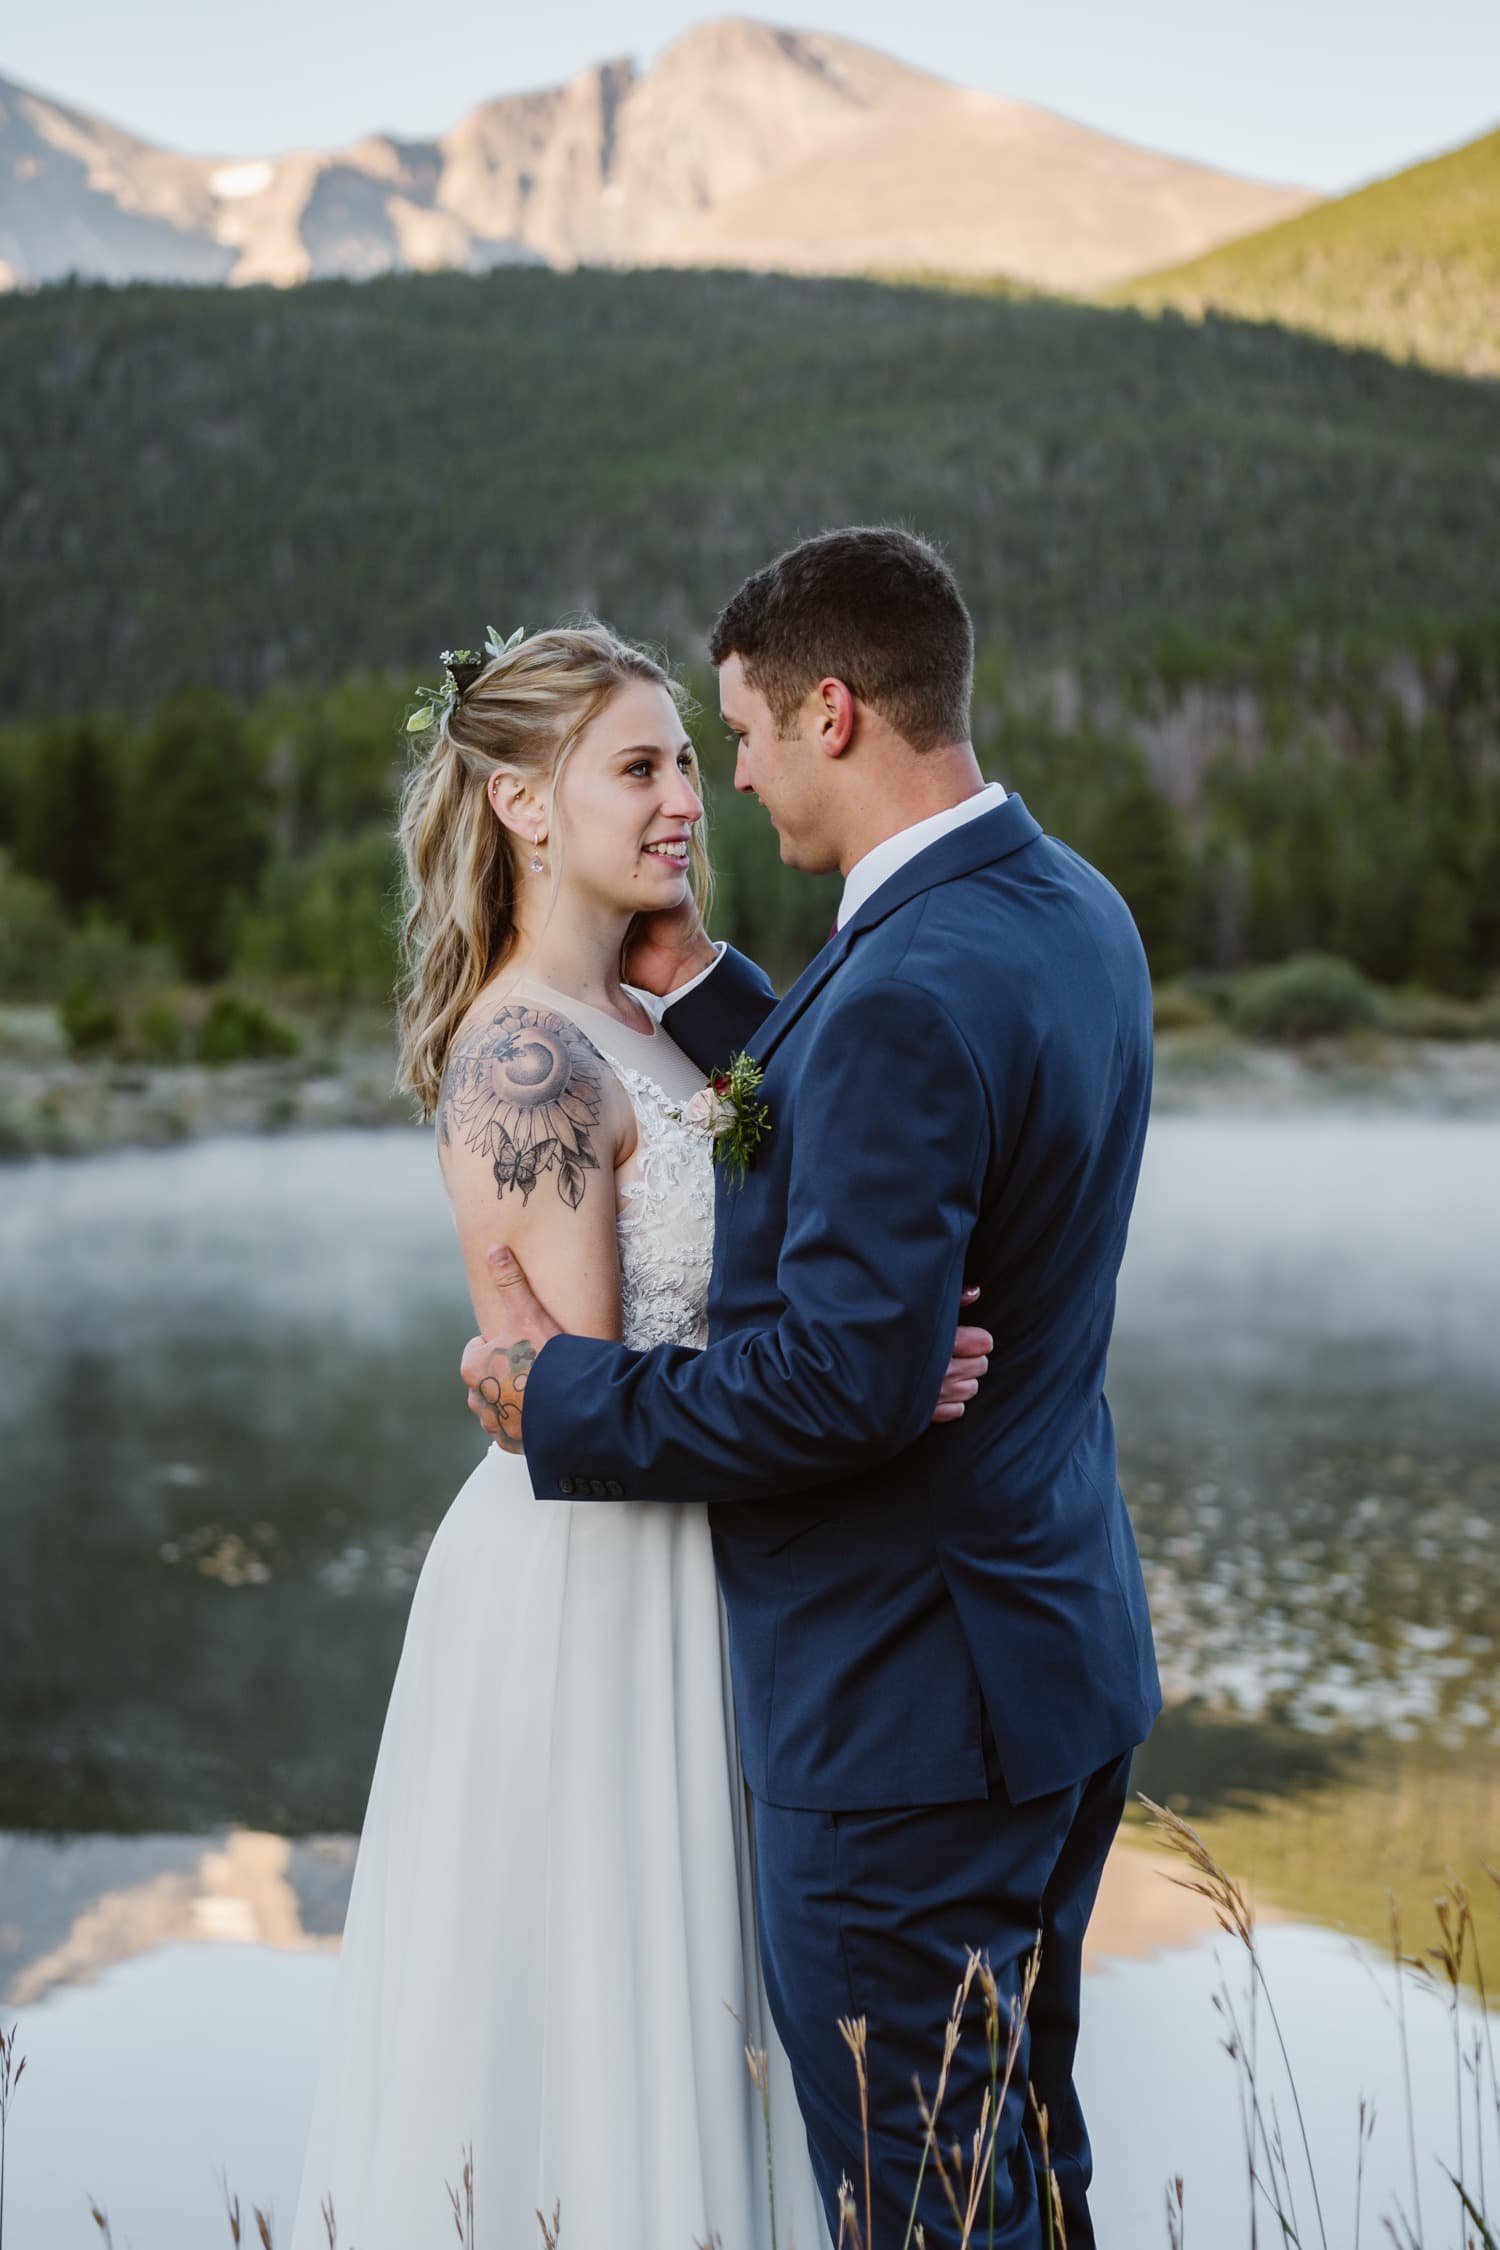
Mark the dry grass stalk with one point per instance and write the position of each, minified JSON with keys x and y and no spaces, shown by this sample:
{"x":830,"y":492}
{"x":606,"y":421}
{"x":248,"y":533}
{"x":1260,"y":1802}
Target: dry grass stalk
{"x":1474,"y":2064}
{"x":551,"y":2228}
{"x":11,"y":2074}
{"x":1177,"y":2216}
{"x":263,"y":2227}
{"x":1236,"y":1917}
{"x":758,"y":2063}
{"x":855,"y":2033}
{"x":992,"y":2106}
{"x":231,"y":2207}
{"x":1400,"y":1959}
{"x":951,"y":2034}
{"x":1484,"y":2240}
{"x":463,"y":2206}
{"x":1455,"y":1925}
{"x":101,"y":2221}
{"x":1366,"y":2135}
{"x":1052,"y":2211}
{"x":849,"y":2234}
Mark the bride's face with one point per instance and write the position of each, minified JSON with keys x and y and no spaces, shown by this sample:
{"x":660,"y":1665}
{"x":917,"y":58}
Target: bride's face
{"x":627,"y":803}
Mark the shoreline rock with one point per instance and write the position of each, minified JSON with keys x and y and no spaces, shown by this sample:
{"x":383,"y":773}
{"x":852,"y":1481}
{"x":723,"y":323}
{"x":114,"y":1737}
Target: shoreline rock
{"x":63,"y":1106}
{"x":76,"y":1108}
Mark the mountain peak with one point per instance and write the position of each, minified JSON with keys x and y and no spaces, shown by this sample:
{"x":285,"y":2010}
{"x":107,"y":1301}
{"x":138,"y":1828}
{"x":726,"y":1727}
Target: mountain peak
{"x":743,"y":143}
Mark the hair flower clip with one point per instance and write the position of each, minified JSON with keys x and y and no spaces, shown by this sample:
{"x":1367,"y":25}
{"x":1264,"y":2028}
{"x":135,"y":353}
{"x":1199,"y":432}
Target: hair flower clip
{"x":463,"y":666}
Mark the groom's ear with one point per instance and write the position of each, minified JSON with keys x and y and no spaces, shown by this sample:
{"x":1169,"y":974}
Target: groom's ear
{"x":835,"y":716}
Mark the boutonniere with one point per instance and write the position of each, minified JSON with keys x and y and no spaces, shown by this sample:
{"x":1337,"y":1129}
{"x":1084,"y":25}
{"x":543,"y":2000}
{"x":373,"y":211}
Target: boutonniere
{"x":728,"y":1111}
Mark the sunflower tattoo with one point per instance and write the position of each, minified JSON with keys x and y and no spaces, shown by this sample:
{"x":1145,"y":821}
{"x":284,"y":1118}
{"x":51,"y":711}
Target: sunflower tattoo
{"x":525,"y":1090}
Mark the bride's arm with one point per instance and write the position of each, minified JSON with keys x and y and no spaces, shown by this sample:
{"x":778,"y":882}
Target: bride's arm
{"x":532,"y":1124}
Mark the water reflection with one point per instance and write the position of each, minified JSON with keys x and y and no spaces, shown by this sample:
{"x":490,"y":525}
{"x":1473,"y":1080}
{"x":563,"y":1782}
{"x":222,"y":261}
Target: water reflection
{"x":78,"y":1907}
{"x":229,"y":1425}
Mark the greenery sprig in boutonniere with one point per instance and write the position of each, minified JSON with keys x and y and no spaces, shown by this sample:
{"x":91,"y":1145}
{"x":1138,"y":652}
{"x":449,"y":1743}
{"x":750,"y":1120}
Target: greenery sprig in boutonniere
{"x":727,"y":1110}
{"x":463,"y":666}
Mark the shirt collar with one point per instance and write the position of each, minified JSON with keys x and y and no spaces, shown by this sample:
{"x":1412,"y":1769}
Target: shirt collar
{"x":878,"y":866}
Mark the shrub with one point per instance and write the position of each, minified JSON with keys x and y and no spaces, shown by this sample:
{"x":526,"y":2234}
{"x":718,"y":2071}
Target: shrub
{"x":102,"y":954}
{"x":1418,"y":1014}
{"x":240,"y":1030}
{"x":157,"y":1033}
{"x":1313,"y":995}
{"x":1176,"y":1007}
{"x":89,"y":1018}
{"x":32,"y":934}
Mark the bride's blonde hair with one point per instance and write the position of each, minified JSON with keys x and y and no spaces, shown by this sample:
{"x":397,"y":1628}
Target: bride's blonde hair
{"x":522,"y":714}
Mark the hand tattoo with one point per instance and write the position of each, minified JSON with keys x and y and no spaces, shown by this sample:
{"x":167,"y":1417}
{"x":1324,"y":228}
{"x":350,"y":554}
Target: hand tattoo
{"x":502,"y":1391}
{"x":525,"y":1089}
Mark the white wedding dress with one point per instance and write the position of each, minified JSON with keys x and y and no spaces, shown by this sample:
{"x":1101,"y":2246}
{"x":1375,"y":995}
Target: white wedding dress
{"x":551,"y":1914}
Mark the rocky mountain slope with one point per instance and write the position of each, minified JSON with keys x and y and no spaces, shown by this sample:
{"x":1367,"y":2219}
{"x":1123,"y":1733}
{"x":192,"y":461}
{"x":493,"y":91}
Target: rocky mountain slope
{"x":742,"y":145}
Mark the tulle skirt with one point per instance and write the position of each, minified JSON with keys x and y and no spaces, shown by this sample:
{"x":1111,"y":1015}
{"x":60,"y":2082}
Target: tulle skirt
{"x":550,"y":1934}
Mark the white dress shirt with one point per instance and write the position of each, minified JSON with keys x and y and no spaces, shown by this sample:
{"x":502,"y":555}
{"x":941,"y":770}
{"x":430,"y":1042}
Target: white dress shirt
{"x":866,"y":875}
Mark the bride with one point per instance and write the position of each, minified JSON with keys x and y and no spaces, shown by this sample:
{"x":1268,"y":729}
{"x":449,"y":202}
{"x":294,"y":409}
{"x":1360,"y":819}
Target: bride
{"x":549,"y":1967}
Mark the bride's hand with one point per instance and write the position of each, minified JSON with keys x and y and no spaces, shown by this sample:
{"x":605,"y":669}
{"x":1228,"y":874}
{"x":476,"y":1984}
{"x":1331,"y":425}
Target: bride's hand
{"x":664,"y":950}
{"x":969,"y":1364}
{"x":495,"y":1367}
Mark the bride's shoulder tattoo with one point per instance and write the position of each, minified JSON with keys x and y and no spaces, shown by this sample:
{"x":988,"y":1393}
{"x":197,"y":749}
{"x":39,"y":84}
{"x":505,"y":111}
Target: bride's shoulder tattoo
{"x":526,"y":1089}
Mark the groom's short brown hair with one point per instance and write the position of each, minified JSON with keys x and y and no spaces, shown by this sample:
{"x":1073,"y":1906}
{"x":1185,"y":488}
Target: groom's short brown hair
{"x":872,"y":606}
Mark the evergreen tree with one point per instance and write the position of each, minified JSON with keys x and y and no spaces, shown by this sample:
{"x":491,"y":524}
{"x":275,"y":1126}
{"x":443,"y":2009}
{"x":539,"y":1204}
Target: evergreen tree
{"x":1138,"y":844}
{"x":67,"y":816}
{"x":198,"y":828}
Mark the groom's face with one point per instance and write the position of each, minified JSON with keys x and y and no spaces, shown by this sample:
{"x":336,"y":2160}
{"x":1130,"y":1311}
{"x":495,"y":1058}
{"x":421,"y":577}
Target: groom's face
{"x":784,"y":767}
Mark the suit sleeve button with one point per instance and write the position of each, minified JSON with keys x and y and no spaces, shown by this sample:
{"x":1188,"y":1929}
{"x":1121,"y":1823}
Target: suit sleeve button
{"x":598,"y":1487}
{"x":565,"y":1487}
{"x":615,"y":1489}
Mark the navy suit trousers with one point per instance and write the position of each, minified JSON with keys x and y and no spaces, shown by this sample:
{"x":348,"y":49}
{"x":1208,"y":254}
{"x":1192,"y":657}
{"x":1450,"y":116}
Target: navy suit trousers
{"x":872,"y":1914}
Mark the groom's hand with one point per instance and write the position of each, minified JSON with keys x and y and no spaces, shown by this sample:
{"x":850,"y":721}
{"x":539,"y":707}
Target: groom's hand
{"x":969,"y":1364}
{"x":495,"y":1368}
{"x":666,"y":949}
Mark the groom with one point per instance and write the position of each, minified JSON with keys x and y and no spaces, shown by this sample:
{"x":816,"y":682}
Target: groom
{"x":939,"y":1637}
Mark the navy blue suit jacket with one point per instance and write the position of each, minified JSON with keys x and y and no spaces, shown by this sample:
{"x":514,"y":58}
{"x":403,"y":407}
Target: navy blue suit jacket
{"x":958,"y":1088}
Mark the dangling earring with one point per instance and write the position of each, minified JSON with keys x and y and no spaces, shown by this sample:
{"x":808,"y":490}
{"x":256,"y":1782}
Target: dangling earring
{"x":536,"y":862}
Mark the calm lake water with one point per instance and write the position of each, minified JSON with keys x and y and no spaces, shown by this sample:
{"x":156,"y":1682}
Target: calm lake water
{"x":229,"y":1423}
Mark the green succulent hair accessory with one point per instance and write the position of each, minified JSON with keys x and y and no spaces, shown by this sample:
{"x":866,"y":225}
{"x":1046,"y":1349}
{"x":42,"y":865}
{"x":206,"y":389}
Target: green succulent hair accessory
{"x":463,"y":667}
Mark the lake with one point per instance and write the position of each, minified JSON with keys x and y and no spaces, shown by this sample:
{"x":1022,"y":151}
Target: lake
{"x":230,"y":1422}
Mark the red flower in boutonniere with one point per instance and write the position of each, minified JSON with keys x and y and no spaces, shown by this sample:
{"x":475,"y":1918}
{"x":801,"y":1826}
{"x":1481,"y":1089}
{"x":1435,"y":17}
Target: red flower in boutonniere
{"x":727,"y":1110}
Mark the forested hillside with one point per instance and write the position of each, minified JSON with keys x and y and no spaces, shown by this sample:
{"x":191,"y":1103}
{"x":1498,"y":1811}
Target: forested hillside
{"x":237,"y":489}
{"x":1237,"y":591}
{"x":1409,"y":267}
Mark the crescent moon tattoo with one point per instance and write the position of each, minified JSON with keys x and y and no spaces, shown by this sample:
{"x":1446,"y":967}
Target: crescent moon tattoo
{"x":525,"y":1090}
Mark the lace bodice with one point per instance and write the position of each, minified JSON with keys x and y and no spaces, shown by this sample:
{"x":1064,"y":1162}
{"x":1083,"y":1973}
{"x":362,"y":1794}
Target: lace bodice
{"x":666,"y":1222}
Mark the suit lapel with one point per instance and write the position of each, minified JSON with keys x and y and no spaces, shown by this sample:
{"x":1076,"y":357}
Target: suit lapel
{"x":994,"y":835}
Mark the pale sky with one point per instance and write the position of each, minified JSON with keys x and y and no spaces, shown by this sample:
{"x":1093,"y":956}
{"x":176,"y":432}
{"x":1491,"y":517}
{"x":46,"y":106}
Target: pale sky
{"x":1327,"y":93}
